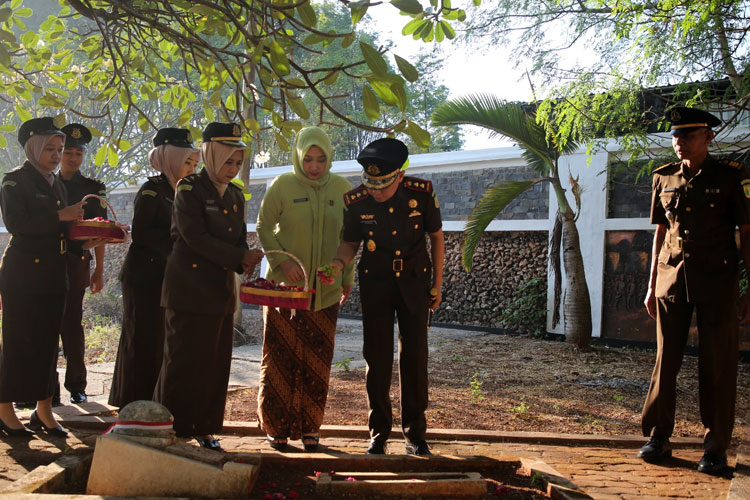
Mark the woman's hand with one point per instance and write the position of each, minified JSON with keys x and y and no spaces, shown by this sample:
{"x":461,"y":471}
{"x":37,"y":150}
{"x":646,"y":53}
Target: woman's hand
{"x":71,"y":212}
{"x":292,"y":271}
{"x":97,"y":280}
{"x":250,"y":260}
{"x":346,"y":291}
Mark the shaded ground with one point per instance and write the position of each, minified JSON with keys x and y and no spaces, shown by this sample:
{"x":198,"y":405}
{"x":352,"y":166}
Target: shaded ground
{"x":514,"y":383}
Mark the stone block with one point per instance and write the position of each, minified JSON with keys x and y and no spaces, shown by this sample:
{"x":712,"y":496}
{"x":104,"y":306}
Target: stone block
{"x":402,"y":485}
{"x":124,"y":468}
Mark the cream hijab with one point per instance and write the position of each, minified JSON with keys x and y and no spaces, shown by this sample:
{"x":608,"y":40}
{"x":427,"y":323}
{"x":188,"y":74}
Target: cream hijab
{"x":169,"y":160}
{"x":34,"y":147}
{"x":215,"y":154}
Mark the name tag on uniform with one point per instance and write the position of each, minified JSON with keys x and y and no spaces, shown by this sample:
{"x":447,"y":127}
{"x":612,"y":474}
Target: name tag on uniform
{"x":212,"y":208}
{"x":415,"y":213}
{"x":366,"y":216}
{"x":42,"y":195}
{"x":713,"y":190}
{"x":300,"y":200}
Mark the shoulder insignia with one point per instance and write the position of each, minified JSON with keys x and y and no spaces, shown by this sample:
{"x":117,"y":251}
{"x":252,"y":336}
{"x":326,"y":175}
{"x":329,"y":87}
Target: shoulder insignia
{"x":731,"y":163}
{"x":9,"y":183}
{"x":156,"y":179}
{"x":355,"y":195}
{"x":148,"y":192}
{"x":663,"y":167}
{"x":416,"y":184}
{"x":102,"y":192}
{"x":190,"y":179}
{"x":184,"y":187}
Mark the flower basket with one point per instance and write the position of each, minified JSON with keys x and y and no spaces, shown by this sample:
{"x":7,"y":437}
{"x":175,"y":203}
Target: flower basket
{"x":87,"y":229}
{"x":269,"y":293}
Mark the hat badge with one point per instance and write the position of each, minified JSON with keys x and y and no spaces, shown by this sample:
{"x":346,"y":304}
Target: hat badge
{"x":373,"y":169}
{"x":675,"y":115}
{"x":76,"y":133}
{"x":236,"y":131}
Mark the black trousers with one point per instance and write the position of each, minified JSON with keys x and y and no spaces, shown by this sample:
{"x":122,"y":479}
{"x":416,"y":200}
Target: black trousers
{"x":71,"y":332}
{"x":381,"y":299}
{"x":717,"y":369}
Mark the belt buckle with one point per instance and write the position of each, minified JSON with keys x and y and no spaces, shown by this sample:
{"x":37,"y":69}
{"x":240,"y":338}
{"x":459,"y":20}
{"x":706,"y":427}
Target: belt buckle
{"x":63,"y":247}
{"x":398,"y":265}
{"x":679,"y":243}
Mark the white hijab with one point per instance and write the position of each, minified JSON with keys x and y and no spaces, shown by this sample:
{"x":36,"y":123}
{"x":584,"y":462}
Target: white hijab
{"x":34,"y":147}
{"x":215,"y":154}
{"x":169,"y":159}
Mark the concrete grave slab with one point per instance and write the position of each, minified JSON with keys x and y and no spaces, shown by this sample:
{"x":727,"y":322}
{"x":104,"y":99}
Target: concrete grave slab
{"x":402,"y":484}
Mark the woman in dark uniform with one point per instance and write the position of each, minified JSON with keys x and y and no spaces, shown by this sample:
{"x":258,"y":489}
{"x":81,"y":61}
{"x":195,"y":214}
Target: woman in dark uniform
{"x":209,"y":234}
{"x":33,"y":277}
{"x":139,"y":355}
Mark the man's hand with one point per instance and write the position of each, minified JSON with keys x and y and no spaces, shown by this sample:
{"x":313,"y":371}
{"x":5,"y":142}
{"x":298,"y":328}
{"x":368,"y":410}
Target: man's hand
{"x":71,"y":212}
{"x":251,"y":259}
{"x":97,"y":280}
{"x":436,"y":297}
{"x":650,"y":303}
{"x":346,"y":291}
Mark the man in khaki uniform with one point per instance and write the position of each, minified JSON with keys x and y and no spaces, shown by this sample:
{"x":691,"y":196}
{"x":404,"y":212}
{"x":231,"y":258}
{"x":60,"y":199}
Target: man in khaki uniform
{"x":696,"y":204}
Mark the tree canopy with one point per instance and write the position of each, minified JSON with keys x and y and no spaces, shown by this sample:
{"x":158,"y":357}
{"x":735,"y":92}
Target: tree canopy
{"x":133,"y":66}
{"x":610,"y":68}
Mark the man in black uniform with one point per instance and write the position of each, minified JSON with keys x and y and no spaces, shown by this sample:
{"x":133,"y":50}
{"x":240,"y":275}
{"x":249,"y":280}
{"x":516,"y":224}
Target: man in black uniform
{"x":696,"y":204}
{"x":78,"y":259}
{"x":392,"y":214}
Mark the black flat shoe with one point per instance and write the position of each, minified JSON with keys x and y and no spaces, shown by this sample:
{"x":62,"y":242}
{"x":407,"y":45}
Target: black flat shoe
{"x":210,"y":443}
{"x":277,"y":443}
{"x":77,"y":398}
{"x":418,"y":448}
{"x":655,"y":450}
{"x":36,"y":423}
{"x":377,"y":447}
{"x":22,"y":432}
{"x":310,"y":443}
{"x":713,"y":463}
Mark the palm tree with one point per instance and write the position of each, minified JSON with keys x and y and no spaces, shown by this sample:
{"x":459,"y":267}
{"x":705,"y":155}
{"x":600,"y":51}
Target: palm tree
{"x":542,"y":154}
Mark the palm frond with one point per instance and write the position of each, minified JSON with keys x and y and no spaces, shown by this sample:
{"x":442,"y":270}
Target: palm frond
{"x":494,"y":200}
{"x":499,"y":117}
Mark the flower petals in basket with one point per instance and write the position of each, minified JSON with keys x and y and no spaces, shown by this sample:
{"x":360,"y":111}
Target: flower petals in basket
{"x":269,"y":293}
{"x":97,"y":228}
{"x":87,"y":229}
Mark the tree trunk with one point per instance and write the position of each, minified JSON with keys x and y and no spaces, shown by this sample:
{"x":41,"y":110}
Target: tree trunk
{"x":576,"y":303}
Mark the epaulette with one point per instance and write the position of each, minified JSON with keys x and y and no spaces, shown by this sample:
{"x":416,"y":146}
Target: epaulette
{"x":663,"y":167}
{"x":190,"y":179}
{"x":156,"y":179}
{"x":731,"y":163}
{"x":416,"y":184}
{"x":355,"y":195}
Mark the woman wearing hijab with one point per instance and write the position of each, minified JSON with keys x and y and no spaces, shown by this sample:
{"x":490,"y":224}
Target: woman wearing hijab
{"x":141,"y":349}
{"x":302,"y":213}
{"x":209,"y":234}
{"x":33,"y":278}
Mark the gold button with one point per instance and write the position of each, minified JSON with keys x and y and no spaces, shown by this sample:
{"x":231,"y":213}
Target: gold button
{"x":367,"y":271}
{"x":58,"y":203}
{"x":390,"y":210}
{"x":36,"y":261}
{"x":62,"y":235}
{"x":687,"y":254}
{"x":425,"y":269}
{"x":711,"y":205}
{"x":687,"y":231}
{"x":229,"y":229}
{"x":398,"y":252}
{"x":226,"y":211}
{"x":394,"y":232}
{"x":398,"y":274}
{"x":370,"y":233}
{"x":416,"y":226}
{"x":195,"y":265}
{"x":688,"y":209}
{"x":83,"y":257}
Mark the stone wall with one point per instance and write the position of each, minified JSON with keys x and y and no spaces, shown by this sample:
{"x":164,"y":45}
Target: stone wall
{"x":627,"y":197}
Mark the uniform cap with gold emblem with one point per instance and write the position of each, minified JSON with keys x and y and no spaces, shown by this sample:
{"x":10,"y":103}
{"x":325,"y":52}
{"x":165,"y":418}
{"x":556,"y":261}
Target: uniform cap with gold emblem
{"x":229,"y":134}
{"x":685,"y":120}
{"x":37,"y":126}
{"x":180,"y":137}
{"x":381,"y":162}
{"x":76,"y":135}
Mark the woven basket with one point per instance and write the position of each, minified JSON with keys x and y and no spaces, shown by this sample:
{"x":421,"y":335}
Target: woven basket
{"x":88,"y":229}
{"x":287,"y":299}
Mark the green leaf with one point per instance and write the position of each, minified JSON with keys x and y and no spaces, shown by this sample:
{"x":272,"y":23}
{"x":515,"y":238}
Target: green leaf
{"x":439,"y":34}
{"x":4,"y":57}
{"x":299,"y":108}
{"x":51,"y":101}
{"x":15,"y":4}
{"x":5,"y":14}
{"x":400,"y":93}
{"x":408,"y":6}
{"x":95,"y":132}
{"x":307,"y":14}
{"x":410,"y":72}
{"x":279,"y":61}
{"x":420,"y":136}
{"x":370,"y":102}
{"x":412,"y":25}
{"x":358,"y":12}
{"x":374,"y":59}
{"x":112,"y":157}
{"x":3,"y":142}
{"x":348,"y":40}
{"x":123,"y":144}
{"x":425,"y":26}
{"x":331,"y":79}
{"x":142,"y":125}
{"x":8,"y":127}
{"x":29,"y":39}
{"x":23,"y":12}
{"x":101,"y":155}
{"x":450,"y":34}
{"x":383,"y":90}
{"x":184,"y":117}
{"x":281,"y":142}
{"x":231,"y":102}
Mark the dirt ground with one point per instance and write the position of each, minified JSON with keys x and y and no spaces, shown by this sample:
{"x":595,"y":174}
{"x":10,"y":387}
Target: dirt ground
{"x":516,"y":383}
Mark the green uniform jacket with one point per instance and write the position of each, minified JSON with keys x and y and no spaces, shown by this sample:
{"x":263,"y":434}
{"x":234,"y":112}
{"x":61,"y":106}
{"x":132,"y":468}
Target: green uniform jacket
{"x":209,"y":235}
{"x":307,"y":222}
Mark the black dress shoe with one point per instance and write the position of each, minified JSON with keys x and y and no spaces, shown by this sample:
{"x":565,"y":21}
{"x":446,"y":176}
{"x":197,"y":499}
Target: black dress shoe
{"x":210,"y":443}
{"x":25,"y":405}
{"x":418,"y":448}
{"x":377,"y":447}
{"x":655,"y":450}
{"x":36,"y":423}
{"x":712,"y":463}
{"x":78,"y":397}
{"x":22,"y":432}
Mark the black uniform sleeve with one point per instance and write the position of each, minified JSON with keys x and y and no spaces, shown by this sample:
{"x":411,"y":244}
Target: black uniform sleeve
{"x":15,"y":201}
{"x":739,"y":198}
{"x":657,"y":209}
{"x":145,"y":230}
{"x":432,"y":220}
{"x":351,"y":232}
